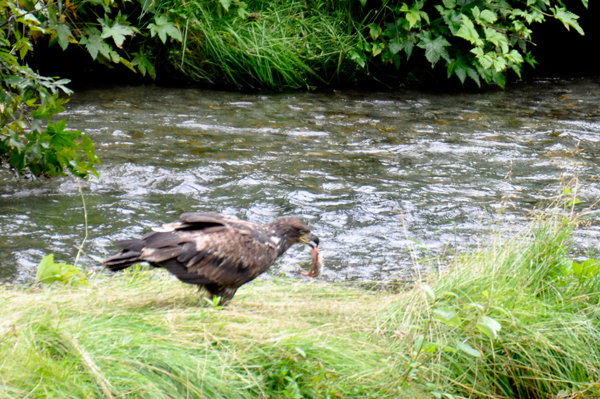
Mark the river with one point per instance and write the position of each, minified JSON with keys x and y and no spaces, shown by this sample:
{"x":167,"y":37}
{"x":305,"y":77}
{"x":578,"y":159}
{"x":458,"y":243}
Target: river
{"x":386,"y":179}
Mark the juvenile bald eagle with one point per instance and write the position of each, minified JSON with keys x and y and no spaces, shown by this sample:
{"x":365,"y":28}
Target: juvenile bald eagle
{"x":218,"y":252}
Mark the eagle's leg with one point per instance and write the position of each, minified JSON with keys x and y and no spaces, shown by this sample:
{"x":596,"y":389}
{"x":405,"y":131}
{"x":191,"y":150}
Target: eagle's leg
{"x":226,"y":293}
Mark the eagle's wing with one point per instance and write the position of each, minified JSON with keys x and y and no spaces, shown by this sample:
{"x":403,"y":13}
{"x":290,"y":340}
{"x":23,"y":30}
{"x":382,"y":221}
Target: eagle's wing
{"x":208,"y":248}
{"x":195,"y":221}
{"x":188,"y":221}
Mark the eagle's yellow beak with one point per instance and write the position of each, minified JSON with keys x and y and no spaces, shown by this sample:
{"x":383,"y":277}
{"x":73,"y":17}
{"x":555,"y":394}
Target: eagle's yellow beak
{"x":309,"y":239}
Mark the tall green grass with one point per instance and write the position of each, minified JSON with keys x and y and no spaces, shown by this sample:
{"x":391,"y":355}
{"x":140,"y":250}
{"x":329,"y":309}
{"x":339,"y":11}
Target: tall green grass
{"x":284,"y":44}
{"x":512,"y":321}
{"x":517,"y":319}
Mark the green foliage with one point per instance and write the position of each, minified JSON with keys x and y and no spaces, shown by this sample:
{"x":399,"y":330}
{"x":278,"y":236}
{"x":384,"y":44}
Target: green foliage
{"x":294,"y":375}
{"x":288,"y":44}
{"x":476,"y":39}
{"x":214,"y":303}
{"x":519,"y":320}
{"x":584,"y":271}
{"x":116,"y":30}
{"x":28,"y":140}
{"x":111,"y":31}
{"x":146,"y":336}
{"x":164,"y":28}
{"x":28,"y":101}
{"x":49,"y":272}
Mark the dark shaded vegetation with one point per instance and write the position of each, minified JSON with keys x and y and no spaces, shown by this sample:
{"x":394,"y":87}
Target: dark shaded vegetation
{"x":567,"y":53}
{"x":285,"y":44}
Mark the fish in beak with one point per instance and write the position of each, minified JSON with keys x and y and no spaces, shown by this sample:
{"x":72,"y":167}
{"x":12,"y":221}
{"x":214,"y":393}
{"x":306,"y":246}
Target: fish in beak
{"x":318,"y":261}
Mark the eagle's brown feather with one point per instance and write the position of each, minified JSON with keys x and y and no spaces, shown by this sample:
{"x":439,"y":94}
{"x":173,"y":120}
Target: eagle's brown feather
{"x":218,"y":252}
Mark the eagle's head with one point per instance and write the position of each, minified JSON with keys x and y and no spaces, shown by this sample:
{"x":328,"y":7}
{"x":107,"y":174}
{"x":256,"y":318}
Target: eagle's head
{"x":291,"y":231}
{"x":294,"y":231}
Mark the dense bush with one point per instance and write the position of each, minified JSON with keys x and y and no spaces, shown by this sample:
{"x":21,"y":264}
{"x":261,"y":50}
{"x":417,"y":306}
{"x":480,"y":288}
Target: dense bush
{"x":292,"y":43}
{"x":276,"y":44}
{"x":474,"y":38}
{"x":29,"y":102}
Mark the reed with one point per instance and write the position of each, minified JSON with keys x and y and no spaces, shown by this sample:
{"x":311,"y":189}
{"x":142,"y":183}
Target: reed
{"x":287,"y":44}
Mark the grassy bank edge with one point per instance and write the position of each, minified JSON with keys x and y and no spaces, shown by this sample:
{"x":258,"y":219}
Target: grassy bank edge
{"x":510,"y":320}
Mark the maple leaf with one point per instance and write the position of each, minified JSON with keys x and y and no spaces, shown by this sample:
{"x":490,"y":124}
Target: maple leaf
{"x":497,"y":38}
{"x":461,"y":69}
{"x":94,"y":44}
{"x":64,"y":35}
{"x":143,"y":64}
{"x":568,"y":19}
{"x":434,"y":48}
{"x":467,"y":31}
{"x":395,"y":46}
{"x":59,"y":138}
{"x":163,"y":27}
{"x":117,"y":31}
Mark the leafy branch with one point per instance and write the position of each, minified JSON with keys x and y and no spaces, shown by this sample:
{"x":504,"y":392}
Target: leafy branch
{"x":29,"y":101}
{"x":479,"y":40}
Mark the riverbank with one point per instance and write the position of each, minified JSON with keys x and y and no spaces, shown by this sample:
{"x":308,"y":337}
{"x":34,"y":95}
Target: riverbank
{"x":516,"y":319}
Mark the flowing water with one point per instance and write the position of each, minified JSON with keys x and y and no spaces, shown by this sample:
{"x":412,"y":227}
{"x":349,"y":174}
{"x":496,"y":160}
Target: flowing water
{"x":373,"y":173}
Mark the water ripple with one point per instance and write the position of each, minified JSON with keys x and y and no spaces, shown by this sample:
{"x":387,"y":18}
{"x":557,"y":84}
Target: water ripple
{"x":383,"y":178}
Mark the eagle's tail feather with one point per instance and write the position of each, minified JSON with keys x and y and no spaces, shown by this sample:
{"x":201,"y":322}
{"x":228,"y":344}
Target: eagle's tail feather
{"x":122,"y":261}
